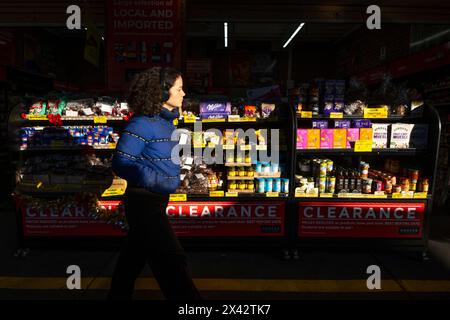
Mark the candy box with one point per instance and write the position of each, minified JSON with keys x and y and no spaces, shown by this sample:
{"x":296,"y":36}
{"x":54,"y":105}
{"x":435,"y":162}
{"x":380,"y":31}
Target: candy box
{"x":215,"y":107}
{"x":214,"y":115}
{"x":380,"y":135}
{"x":419,"y":136}
{"x":365,"y":134}
{"x":400,"y":135}
{"x":313,"y":138}
{"x":340,"y":138}
{"x":342,"y":123}
{"x":326,"y":138}
{"x":362,"y":123}
{"x":302,"y":139}
{"x":320,"y":124}
{"x":352,"y":135}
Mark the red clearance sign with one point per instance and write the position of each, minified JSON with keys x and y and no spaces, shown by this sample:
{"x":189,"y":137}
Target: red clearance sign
{"x":219,"y":219}
{"x":72,"y":219}
{"x":361,"y":220}
{"x":139,"y":35}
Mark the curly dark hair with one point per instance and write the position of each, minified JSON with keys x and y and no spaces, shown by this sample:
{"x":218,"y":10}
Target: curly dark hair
{"x":146,"y":90}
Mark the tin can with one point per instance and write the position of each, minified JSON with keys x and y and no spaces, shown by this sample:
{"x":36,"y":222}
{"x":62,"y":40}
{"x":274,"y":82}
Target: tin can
{"x":323,"y":169}
{"x":266,"y":168}
{"x":285,"y":186}
{"x":259,"y":167}
{"x":331,"y":185}
{"x":322,"y":184}
{"x":261,"y":185}
{"x":367,"y":186}
{"x":268,"y":185}
{"x":275,"y":167}
{"x":232,"y":185}
{"x":277,"y":185}
{"x":364,"y":170}
{"x":250,"y":185}
{"x":329,"y":166}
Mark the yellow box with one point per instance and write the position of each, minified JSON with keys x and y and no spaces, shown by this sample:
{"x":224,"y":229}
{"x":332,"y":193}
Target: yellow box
{"x":313,"y":138}
{"x":365,"y":134}
{"x":340,"y":138}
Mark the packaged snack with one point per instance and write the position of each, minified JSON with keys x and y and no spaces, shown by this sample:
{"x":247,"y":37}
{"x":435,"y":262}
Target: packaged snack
{"x":267,"y":109}
{"x":362,"y":123}
{"x":419,"y":136}
{"x":340,"y":138}
{"x":38,"y":108}
{"x":342,"y":123}
{"x":320,"y":124}
{"x":352,"y":135}
{"x":365,"y":134}
{"x":380,"y":135}
{"x":250,"y":111}
{"x":313,"y":138}
{"x":215,"y":107}
{"x":400,"y":135}
{"x":326,"y":138}
{"x":302,"y":138}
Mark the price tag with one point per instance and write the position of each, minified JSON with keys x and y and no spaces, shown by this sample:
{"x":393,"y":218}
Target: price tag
{"x":100,"y":119}
{"x":216,"y":193}
{"x":178,"y":197}
{"x":261,"y":147}
{"x":213,"y":120}
{"x":306,"y":195}
{"x":112,"y":145}
{"x":231,"y":194}
{"x":245,"y":147}
{"x":272,"y":194}
{"x":306,"y":114}
{"x":248,"y":119}
{"x":190,"y":119}
{"x":420,"y":195}
{"x":117,"y":188}
{"x":326,"y":195}
{"x":37,"y":117}
{"x":234,"y":118}
{"x":175,"y":122}
{"x":363,"y":146}
{"x":377,"y":113}
{"x":336,"y":115}
{"x":228,"y":147}
{"x":397,"y":195}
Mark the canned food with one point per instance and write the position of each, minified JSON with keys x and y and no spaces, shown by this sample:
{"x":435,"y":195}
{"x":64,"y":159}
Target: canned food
{"x":277,"y":185}
{"x":322,"y":185}
{"x":323,"y":169}
{"x":242,"y":185}
{"x":251,"y":172}
{"x":331,"y":184}
{"x":268,"y":185}
{"x":259,"y":167}
{"x":329,"y":166}
{"x":232,"y":172}
{"x":261,"y":185}
{"x":250,"y":185}
{"x":285,"y":185}
{"x":232,"y":185}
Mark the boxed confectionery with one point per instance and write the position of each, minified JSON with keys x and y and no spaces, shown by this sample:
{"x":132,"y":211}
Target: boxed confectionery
{"x":352,"y":135}
{"x":326,"y":138}
{"x":361,"y":123}
{"x":380,"y":135}
{"x":340,"y":138}
{"x":320,"y":124}
{"x":342,"y":123}
{"x":365,"y":134}
{"x":313,"y":138}
{"x":215,"y":109}
{"x":302,"y":138}
{"x":400,"y":135}
{"x":419,"y":136}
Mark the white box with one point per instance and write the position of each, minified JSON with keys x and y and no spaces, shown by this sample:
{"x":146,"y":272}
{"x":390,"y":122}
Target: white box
{"x":400,"y":135}
{"x":380,"y":135}
{"x":419,"y":136}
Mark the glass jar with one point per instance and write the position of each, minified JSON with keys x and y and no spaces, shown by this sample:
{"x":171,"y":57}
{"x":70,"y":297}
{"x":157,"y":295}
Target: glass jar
{"x":232,"y":172}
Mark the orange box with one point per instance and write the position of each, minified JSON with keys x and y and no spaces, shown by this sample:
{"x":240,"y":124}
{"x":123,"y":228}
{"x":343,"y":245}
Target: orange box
{"x":313,"y":138}
{"x":340,"y":138}
{"x":365,"y":133}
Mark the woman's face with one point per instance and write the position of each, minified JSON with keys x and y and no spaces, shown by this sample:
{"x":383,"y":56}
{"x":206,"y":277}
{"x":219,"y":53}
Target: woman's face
{"x":176,"y":94}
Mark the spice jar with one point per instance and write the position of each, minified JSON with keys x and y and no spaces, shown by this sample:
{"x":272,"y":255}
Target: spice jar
{"x":232,"y":172}
{"x":241,"y":172}
{"x":364,"y":170}
{"x":232,"y":185}
{"x":242,"y":185}
{"x":251,"y":172}
{"x":250,"y":185}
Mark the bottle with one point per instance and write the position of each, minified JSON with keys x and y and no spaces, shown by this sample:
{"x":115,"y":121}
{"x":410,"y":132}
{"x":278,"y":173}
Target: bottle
{"x":339,"y":181}
{"x":346,"y":181}
{"x":352,"y":182}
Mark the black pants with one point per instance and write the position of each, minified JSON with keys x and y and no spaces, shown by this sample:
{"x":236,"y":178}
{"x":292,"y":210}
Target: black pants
{"x":151,"y":240}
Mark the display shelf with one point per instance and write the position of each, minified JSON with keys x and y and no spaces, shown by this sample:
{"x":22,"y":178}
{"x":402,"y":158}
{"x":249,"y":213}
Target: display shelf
{"x":240,"y":178}
{"x":387,"y":152}
{"x":353,"y":117}
{"x":271,"y":175}
{"x":68,"y":148}
{"x":241,"y":195}
{"x":238,"y":164}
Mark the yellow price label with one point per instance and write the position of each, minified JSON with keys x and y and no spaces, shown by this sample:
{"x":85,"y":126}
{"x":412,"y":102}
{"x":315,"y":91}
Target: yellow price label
{"x":420,"y":195}
{"x":37,"y":117}
{"x":231,"y":194}
{"x":175,"y":122}
{"x":336,"y":115}
{"x":248,"y":119}
{"x":213,"y":120}
{"x":245,"y":147}
{"x":216,"y":193}
{"x":377,"y":113}
{"x":234,"y":118}
{"x":363,"y":146}
{"x":306,"y":195}
{"x":326,"y":195}
{"x":178,"y":197}
{"x":228,"y":147}
{"x":117,"y":188}
{"x":306,"y":114}
{"x":39,"y":185}
{"x":100,"y":119}
{"x":261,"y":147}
{"x":401,"y":195}
{"x":190,"y":119}
{"x":272,"y":194}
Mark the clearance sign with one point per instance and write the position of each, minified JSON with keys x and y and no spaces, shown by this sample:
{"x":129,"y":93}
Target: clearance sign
{"x":361,"y":220}
{"x":223,"y":219}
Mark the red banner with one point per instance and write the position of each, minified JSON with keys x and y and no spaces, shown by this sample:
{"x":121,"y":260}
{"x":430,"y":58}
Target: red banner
{"x":71,"y":219}
{"x":361,"y":220}
{"x":140,"y":35}
{"x":219,"y":219}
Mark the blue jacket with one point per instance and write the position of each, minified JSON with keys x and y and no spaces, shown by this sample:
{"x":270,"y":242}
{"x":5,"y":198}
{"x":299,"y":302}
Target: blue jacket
{"x":143,"y":153}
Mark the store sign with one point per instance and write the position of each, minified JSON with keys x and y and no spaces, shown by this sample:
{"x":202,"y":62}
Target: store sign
{"x":71,"y":219}
{"x":140,"y":35}
{"x":223,"y":219}
{"x":361,"y":219}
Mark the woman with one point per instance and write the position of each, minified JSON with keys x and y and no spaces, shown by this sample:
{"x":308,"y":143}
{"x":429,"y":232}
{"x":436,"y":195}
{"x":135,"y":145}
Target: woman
{"x":143,"y":158}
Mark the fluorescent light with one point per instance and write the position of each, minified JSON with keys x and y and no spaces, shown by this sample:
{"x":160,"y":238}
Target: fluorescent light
{"x":434,"y":36}
{"x":293,"y":35}
{"x":225,"y":33}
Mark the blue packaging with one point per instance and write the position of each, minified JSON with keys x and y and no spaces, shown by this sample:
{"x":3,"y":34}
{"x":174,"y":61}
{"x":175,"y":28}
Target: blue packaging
{"x":320,"y":124}
{"x":277,"y":185}
{"x":261,"y":185}
{"x":342,"y":124}
{"x":259,"y":167}
{"x":268,"y":185}
{"x":362,"y":123}
{"x":285,"y":185}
